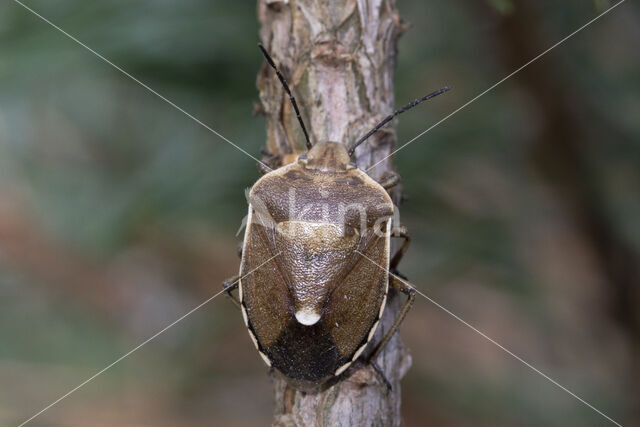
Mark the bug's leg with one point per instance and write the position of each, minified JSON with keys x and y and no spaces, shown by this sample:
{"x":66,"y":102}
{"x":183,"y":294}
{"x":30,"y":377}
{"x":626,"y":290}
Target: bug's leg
{"x":269,"y":162}
{"x":400,"y":231}
{"x":239,"y":249}
{"x":381,"y":374}
{"x":405,"y":288}
{"x":229,"y":286}
{"x":264,"y":168}
{"x":389,"y":180}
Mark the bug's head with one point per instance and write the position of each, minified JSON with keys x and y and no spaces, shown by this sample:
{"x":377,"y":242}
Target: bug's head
{"x":327,"y":156}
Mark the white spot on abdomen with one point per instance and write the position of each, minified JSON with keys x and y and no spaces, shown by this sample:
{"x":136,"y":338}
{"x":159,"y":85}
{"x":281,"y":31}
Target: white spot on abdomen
{"x":307,"y":317}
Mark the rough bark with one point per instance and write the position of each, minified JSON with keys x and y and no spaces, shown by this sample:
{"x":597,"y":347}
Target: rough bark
{"x":339,"y":59}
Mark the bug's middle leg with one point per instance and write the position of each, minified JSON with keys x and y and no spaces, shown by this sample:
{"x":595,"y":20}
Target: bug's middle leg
{"x":402,"y":232}
{"x":239,"y":249}
{"x":231,"y":283}
{"x":229,"y":286}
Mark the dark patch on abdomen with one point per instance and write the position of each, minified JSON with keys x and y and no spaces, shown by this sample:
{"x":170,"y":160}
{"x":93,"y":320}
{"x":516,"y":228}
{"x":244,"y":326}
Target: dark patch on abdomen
{"x":305,"y":352}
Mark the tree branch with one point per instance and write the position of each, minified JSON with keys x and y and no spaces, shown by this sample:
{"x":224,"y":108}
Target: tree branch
{"x":339,"y":59}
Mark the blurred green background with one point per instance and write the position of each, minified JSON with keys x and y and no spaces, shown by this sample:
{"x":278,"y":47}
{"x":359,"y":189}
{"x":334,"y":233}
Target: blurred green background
{"x":118,"y":212}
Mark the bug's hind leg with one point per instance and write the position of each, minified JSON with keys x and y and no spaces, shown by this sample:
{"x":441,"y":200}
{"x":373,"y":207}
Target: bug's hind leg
{"x":229,"y":286}
{"x":381,"y":375}
{"x":402,"y":232}
{"x":401,"y":286}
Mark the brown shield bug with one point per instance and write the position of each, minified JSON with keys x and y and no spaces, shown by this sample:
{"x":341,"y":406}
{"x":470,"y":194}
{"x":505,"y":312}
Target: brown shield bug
{"x":312,"y":310}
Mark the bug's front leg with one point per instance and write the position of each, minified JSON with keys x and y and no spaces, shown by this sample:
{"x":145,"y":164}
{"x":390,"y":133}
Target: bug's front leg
{"x":401,"y":286}
{"x":269,"y":162}
{"x":389,"y":180}
{"x":229,"y":286}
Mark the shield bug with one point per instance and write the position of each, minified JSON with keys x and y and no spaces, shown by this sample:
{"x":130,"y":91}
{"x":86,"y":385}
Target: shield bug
{"x":312,"y":310}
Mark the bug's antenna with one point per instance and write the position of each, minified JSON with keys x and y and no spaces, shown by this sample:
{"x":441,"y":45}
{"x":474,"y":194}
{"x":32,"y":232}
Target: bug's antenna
{"x":286,"y":88}
{"x":395,"y":113}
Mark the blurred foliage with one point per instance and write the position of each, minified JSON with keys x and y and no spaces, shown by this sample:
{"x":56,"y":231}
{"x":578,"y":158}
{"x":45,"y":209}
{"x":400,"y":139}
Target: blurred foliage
{"x":118,"y":212}
{"x":503,"y":6}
